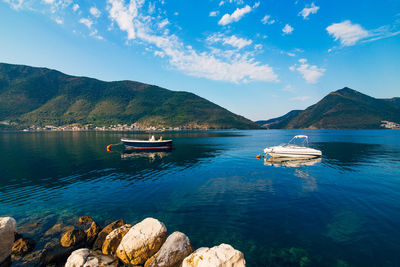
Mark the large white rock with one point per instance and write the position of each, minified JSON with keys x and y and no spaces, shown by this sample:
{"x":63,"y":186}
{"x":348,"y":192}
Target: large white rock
{"x":87,"y":258}
{"x":77,"y":258}
{"x":220,"y":256}
{"x":173,"y":251}
{"x":8,"y":227}
{"x":142,"y":241}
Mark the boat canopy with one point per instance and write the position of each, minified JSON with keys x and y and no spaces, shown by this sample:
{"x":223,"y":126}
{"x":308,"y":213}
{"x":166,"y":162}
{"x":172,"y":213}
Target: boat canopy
{"x":299,"y":137}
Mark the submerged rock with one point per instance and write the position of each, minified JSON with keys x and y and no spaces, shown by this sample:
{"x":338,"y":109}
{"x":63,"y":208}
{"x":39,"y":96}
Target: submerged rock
{"x":58,"y":229}
{"x":92,"y":233}
{"x":23,"y":246}
{"x":222,"y":256}
{"x":8,"y":228}
{"x":173,"y":251}
{"x":87,"y":258}
{"x":142,"y":241}
{"x":85,"y":219}
{"x":73,"y":237}
{"x":98,"y":244}
{"x":114,"y":238}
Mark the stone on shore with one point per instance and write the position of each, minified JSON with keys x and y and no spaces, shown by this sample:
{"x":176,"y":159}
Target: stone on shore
{"x":114,"y":238}
{"x":142,"y":241}
{"x":98,"y":244}
{"x":73,"y":237}
{"x":87,"y":258}
{"x":56,"y":256}
{"x":222,"y":256}
{"x":8,"y":227}
{"x":173,"y":251}
{"x":23,"y":246}
{"x":92,"y":233}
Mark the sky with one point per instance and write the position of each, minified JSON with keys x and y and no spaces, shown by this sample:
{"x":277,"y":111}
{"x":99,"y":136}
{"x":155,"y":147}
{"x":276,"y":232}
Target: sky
{"x":257,"y":58}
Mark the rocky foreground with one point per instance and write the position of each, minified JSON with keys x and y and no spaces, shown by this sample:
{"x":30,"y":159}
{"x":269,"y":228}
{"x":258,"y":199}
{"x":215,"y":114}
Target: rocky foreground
{"x":117,"y":244}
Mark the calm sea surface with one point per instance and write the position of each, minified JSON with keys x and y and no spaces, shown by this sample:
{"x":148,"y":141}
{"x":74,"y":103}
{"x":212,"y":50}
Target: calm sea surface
{"x":341,"y":211}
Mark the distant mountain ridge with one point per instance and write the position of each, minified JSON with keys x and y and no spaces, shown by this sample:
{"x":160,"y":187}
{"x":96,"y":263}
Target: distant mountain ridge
{"x":276,"y":123}
{"x":344,"y":109}
{"x":41,"y":96}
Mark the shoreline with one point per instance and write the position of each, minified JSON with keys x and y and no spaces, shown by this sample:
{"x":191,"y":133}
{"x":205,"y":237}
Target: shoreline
{"x":83,"y":242}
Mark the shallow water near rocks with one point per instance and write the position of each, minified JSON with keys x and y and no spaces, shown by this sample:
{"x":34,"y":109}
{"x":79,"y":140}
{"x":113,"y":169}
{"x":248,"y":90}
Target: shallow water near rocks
{"x":341,"y":211}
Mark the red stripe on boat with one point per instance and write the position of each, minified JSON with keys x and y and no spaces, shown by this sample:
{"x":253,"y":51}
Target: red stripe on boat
{"x":156,"y":147}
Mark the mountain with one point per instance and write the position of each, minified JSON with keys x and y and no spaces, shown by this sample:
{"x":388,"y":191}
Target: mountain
{"x":279,"y":122}
{"x":346,"y":109}
{"x":41,"y":96}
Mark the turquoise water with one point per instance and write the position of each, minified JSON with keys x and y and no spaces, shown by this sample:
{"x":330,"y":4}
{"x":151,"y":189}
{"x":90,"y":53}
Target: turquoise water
{"x":341,"y":211}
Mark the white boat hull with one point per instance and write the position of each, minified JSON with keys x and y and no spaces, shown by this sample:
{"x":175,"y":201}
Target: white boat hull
{"x":292,"y":152}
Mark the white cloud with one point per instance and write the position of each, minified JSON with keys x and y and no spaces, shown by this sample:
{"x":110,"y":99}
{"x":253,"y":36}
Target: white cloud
{"x":310,"y":10}
{"x":59,"y":21}
{"x":15,"y":4}
{"x":221,"y":3}
{"x":230,"y":40}
{"x":95,"y":12}
{"x":258,"y":46}
{"x":350,"y":34}
{"x":229,"y":66}
{"x":123,"y":15}
{"x":163,"y":23}
{"x":75,"y":7}
{"x":176,"y":13}
{"x":288,"y":88}
{"x":287,"y":29}
{"x":152,"y":7}
{"x":213,"y":13}
{"x":311,"y":73}
{"x":266,"y":20}
{"x":300,"y":98}
{"x":256,"y":4}
{"x":236,"y":16}
{"x":347,"y":33}
{"x":86,"y":22}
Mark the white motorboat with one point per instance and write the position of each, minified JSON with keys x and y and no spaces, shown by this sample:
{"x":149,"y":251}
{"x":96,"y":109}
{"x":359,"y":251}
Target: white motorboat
{"x":293,"y":150}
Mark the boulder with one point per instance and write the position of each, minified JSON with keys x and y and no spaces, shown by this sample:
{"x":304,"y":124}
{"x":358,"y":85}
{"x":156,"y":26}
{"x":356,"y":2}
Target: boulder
{"x":92,"y":233}
{"x":98,"y":244}
{"x":8,"y":228}
{"x":87,"y":258}
{"x":114,"y":238}
{"x":85,"y":220}
{"x":58,"y":229}
{"x":56,"y":256}
{"x":73,"y":238}
{"x":142,"y":241}
{"x":173,"y":251}
{"x":23,"y":246}
{"x":222,"y":256}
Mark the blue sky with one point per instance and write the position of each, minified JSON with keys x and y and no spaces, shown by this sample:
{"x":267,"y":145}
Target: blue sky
{"x":259,"y":59}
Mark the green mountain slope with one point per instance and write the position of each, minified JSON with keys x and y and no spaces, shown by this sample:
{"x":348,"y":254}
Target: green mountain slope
{"x":278,"y":123}
{"x":346,"y":109}
{"x":41,"y":96}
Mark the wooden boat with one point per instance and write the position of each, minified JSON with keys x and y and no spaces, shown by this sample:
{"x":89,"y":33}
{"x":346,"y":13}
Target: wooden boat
{"x":147,"y":145}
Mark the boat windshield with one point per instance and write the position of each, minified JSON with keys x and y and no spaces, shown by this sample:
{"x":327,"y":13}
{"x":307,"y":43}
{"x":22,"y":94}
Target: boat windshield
{"x":298,"y":140}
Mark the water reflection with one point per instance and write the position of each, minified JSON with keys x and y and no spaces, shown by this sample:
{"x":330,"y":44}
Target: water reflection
{"x":152,"y":156}
{"x":290,"y":162}
{"x":345,"y":154}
